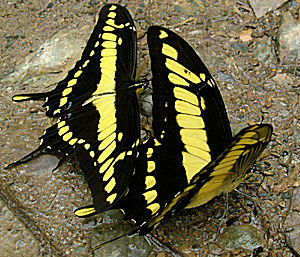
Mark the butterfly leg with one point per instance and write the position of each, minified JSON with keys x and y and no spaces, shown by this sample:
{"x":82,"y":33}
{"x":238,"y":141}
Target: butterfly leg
{"x":60,"y":162}
{"x":164,"y":246}
{"x":222,"y":218}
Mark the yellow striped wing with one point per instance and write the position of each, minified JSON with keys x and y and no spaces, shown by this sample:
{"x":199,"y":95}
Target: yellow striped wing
{"x":98,"y":116}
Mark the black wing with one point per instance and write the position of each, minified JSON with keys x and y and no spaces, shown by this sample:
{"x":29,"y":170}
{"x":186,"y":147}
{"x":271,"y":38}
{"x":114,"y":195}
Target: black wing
{"x":98,"y":112}
{"x":190,"y":125}
{"x":82,"y":81}
{"x":183,"y":89}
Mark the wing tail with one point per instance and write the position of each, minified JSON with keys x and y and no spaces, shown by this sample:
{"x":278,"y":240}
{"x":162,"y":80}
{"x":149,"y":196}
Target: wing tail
{"x":86,"y":211}
{"x":26,"y":158}
{"x":28,"y":97}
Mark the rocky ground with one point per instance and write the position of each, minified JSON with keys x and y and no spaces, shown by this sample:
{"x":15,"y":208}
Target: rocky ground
{"x":251,"y":48}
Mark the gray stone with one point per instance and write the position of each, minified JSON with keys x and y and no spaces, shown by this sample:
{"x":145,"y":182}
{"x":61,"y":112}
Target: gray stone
{"x":292,"y":223}
{"x":226,"y":77}
{"x":245,"y":236}
{"x":15,"y":239}
{"x":189,"y":7}
{"x":288,"y":40}
{"x":111,"y":216}
{"x":264,"y":51}
{"x":146,"y":105}
{"x":240,"y":47}
{"x":112,"y":226}
{"x":283,"y":79}
{"x":135,"y":246}
{"x":56,"y":55}
{"x":261,"y":7}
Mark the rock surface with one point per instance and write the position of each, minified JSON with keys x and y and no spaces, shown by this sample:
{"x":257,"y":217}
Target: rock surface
{"x":264,"y":51}
{"x":293,"y":223}
{"x":14,"y":237}
{"x":136,"y":246}
{"x":288,"y":40}
{"x":261,"y":7}
{"x":56,"y":55}
{"x":242,"y":236}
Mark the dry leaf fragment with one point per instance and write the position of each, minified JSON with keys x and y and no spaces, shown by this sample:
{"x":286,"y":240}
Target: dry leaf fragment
{"x":245,"y":35}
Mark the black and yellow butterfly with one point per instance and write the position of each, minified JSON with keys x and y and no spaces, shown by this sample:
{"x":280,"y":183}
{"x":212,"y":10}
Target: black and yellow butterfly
{"x":97,"y":109}
{"x":193,"y":156}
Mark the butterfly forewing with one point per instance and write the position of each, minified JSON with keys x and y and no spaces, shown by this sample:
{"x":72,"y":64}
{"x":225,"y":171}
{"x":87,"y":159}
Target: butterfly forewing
{"x":183,"y":89}
{"x":188,"y":110}
{"x":109,"y":58}
{"x":114,"y":30}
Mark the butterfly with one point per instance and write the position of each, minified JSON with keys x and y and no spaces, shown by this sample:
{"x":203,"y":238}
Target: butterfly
{"x":97,"y":108}
{"x":193,"y":156}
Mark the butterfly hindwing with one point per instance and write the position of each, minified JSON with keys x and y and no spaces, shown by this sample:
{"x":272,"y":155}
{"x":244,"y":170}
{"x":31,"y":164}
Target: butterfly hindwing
{"x":230,"y":168}
{"x":159,"y":176}
{"x":220,"y":176}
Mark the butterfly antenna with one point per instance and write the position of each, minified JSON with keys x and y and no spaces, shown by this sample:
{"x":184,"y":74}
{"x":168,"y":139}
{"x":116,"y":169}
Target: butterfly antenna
{"x":164,"y":246}
{"x":245,"y":194}
{"x":132,"y":232}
